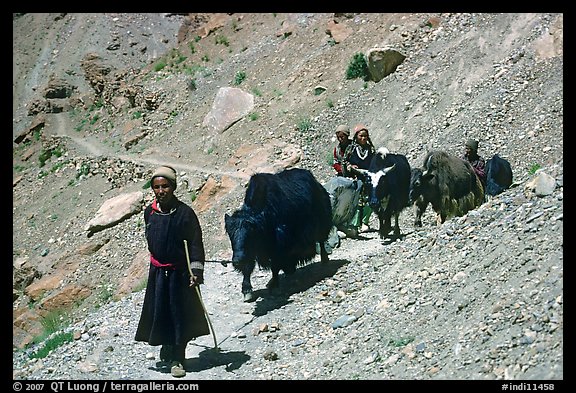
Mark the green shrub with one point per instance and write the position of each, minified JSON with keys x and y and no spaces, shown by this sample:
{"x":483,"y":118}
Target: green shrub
{"x":192,"y":84}
{"x":239,"y":78}
{"x":533,"y":169}
{"x":79,"y":126}
{"x":51,"y":344}
{"x":44,"y":156}
{"x":401,"y":342}
{"x":84,"y":170}
{"x":304,"y":125}
{"x":51,"y":323}
{"x":160,"y":65}
{"x":220,"y":39}
{"x":358,"y":68}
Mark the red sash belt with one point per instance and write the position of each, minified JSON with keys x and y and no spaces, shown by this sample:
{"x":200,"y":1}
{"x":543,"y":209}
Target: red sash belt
{"x":156,"y":263}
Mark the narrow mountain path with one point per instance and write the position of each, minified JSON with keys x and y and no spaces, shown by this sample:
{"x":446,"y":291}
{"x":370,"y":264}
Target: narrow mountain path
{"x":89,"y":145}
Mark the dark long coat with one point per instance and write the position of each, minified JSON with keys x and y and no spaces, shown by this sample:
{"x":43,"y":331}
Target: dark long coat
{"x":172,"y":313}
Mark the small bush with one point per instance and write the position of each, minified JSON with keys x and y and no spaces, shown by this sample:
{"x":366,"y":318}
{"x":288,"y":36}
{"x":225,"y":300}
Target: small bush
{"x":160,"y":65}
{"x":304,"y":125}
{"x":51,"y":323}
{"x":220,"y":39}
{"x":51,"y":344}
{"x":358,"y":68}
{"x":533,"y":169}
{"x":44,"y":156}
{"x":401,"y":342}
{"x":84,"y":170}
{"x":239,"y":78}
{"x":192,"y":84}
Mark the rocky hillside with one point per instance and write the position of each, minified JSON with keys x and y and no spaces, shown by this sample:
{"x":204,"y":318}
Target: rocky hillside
{"x":99,"y":100}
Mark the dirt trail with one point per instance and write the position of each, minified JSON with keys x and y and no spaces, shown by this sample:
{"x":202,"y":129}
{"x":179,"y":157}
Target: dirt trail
{"x":92,"y":147}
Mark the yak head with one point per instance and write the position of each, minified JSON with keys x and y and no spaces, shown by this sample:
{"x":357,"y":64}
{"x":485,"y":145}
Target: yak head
{"x":415,"y":184}
{"x":243,"y":230}
{"x":421,"y":182}
{"x":376,"y":185}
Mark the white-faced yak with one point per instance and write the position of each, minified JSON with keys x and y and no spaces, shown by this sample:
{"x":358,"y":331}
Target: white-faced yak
{"x":387,"y":184}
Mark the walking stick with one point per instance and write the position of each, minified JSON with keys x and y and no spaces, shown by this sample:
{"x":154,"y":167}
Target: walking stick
{"x":200,"y":296}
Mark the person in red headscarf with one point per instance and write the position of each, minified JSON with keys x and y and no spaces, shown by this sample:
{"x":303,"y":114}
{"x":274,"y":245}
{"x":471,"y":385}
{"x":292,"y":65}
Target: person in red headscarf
{"x":339,"y":153}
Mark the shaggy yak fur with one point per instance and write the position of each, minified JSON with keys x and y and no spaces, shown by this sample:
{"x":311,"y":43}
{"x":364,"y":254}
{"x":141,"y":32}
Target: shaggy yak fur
{"x":283,"y":218}
{"x":448,"y":183}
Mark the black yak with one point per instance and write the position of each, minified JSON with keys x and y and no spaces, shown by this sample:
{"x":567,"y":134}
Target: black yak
{"x":448,"y":183}
{"x":283,"y":217}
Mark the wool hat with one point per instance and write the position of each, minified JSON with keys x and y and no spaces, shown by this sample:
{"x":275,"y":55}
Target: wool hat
{"x":167,"y":172}
{"x":472,"y":144}
{"x":343,"y":129}
{"x":360,"y":127}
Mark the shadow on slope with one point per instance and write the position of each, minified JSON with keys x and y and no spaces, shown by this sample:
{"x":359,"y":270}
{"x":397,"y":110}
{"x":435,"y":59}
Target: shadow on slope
{"x":301,"y":280}
{"x":210,"y":358}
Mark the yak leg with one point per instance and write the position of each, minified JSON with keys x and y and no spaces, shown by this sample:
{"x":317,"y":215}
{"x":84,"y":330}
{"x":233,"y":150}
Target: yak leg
{"x":246,"y":284}
{"x":396,"y":226}
{"x":273,"y":283}
{"x":323,"y":253}
{"x":384,"y":225}
{"x":419,"y":208}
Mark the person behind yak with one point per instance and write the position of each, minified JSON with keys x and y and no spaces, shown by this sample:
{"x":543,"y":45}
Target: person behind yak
{"x":477,"y":162}
{"x":339,"y":157}
{"x":360,"y":153}
{"x":172,"y":313}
